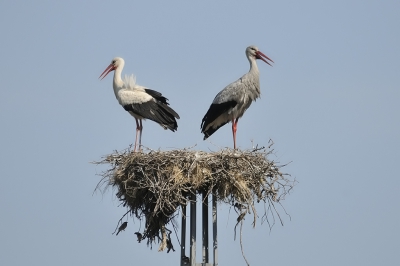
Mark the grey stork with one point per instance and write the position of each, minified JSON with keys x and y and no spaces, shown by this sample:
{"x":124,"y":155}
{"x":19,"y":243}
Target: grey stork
{"x":230,"y":104}
{"x":139,"y":101}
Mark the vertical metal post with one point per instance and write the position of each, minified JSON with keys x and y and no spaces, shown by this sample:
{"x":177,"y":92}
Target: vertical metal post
{"x":215,"y":240}
{"x":183,"y":234}
{"x":205,"y":232}
{"x":193,"y":230}
{"x":205,"y":227}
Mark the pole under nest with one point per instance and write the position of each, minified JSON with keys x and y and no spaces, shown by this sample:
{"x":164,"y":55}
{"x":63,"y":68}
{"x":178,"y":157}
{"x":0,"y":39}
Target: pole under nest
{"x":191,"y":260}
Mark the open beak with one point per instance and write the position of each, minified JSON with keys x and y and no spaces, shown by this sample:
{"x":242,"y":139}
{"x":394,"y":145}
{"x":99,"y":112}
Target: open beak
{"x":110,"y":68}
{"x":263,"y":57}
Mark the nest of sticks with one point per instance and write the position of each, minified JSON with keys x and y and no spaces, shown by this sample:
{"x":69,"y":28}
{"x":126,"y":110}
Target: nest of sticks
{"x":152,"y":185}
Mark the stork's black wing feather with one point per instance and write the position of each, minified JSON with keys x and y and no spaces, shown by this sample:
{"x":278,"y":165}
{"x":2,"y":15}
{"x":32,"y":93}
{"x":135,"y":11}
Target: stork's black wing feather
{"x":161,"y":99}
{"x":157,"y":95}
{"x":213,"y":113}
{"x":155,"y":111}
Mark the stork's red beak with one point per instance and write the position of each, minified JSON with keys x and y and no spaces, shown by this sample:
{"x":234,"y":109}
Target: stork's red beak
{"x":110,"y":68}
{"x":263,"y":57}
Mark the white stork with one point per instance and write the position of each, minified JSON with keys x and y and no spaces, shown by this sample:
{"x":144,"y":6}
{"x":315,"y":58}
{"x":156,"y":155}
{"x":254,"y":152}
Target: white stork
{"x":139,"y":101}
{"x":231,"y":103}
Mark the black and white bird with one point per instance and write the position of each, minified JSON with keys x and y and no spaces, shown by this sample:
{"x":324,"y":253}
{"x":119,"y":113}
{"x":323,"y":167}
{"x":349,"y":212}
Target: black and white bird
{"x":139,"y":236}
{"x":122,"y":227}
{"x":230,"y":104}
{"x":139,"y":101}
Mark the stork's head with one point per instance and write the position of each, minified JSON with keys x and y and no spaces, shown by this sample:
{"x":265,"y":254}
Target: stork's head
{"x":116,"y":63}
{"x":253,"y":52}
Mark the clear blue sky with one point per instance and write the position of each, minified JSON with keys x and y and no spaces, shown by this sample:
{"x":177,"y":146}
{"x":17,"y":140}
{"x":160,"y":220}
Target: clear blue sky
{"x":330,"y":104}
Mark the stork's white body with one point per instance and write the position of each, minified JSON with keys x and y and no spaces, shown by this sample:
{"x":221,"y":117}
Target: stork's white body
{"x":231,"y":103}
{"x":139,"y":101}
{"x":131,"y":93}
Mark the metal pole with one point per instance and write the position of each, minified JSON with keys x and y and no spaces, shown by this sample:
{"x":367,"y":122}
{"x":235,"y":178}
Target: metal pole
{"x":215,"y":240}
{"x":183,"y":234}
{"x":193,"y":230}
{"x":205,"y":227}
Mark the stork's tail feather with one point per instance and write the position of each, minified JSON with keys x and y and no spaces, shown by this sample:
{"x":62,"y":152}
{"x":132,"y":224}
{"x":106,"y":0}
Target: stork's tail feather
{"x":210,"y":130}
{"x":173,"y":126}
{"x":170,"y":111}
{"x":167,"y":117}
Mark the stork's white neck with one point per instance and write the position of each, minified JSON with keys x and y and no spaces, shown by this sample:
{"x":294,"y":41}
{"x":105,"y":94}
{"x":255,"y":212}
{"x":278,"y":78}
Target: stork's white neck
{"x":117,"y":77}
{"x":253,"y":65}
{"x":117,"y":81}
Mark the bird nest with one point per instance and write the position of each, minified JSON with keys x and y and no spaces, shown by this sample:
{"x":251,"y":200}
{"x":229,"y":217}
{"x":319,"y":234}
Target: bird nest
{"x":152,"y":185}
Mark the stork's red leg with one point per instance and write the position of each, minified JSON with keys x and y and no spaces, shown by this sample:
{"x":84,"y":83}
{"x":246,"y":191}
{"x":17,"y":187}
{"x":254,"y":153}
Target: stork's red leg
{"x":137,"y":131}
{"x":234,"y":128}
{"x":140,"y":135}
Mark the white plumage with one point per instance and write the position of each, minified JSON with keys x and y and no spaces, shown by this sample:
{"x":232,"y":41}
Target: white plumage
{"x":131,"y":93}
{"x":231,"y":103}
{"x":139,"y":101}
